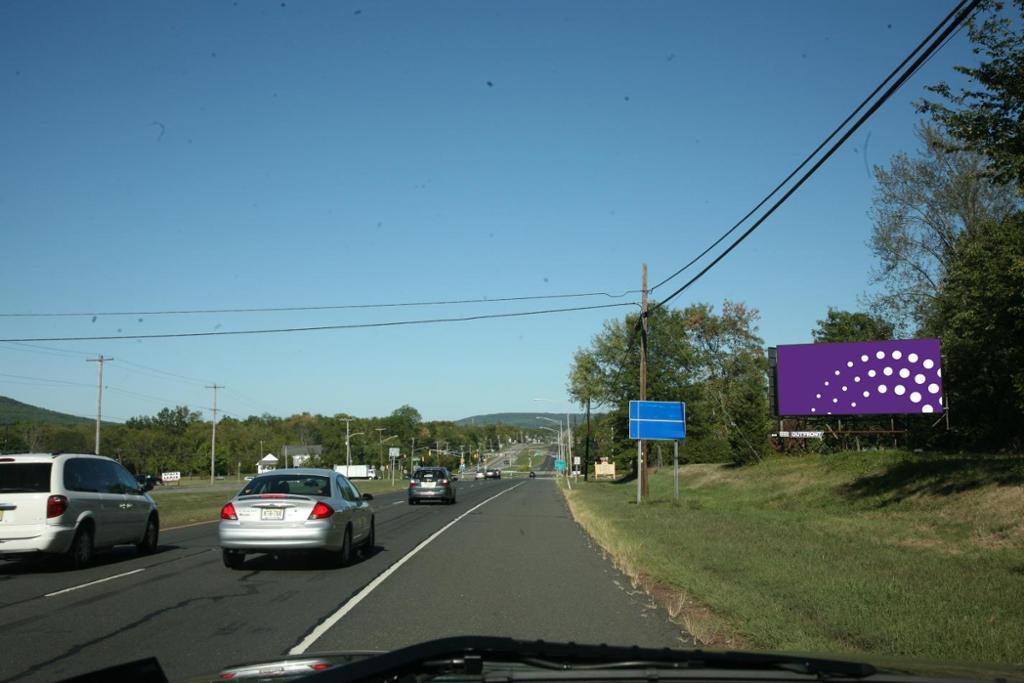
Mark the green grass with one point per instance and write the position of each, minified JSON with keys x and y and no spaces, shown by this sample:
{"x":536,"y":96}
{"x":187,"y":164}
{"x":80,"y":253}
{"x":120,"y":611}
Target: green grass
{"x":523,"y":460}
{"x":885,"y":553}
{"x":191,"y":507}
{"x":178,"y":509}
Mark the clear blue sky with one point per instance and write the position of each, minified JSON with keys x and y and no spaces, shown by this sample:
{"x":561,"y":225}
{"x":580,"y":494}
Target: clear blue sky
{"x":248,"y":154}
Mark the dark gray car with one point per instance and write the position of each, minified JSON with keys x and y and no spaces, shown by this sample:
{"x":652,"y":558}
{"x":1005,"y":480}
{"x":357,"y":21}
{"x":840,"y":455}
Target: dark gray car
{"x":432,"y":483}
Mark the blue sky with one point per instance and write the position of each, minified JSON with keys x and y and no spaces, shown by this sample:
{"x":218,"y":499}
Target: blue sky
{"x":256,"y":154}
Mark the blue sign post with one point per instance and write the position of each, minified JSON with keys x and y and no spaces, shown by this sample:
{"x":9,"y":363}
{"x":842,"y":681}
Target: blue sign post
{"x":657,"y":421}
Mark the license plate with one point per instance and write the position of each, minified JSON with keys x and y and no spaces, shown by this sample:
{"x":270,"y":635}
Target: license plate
{"x":428,"y":484}
{"x":272,"y":514}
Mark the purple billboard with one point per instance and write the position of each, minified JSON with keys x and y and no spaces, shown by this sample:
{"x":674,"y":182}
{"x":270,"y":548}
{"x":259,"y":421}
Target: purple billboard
{"x":860,"y":378}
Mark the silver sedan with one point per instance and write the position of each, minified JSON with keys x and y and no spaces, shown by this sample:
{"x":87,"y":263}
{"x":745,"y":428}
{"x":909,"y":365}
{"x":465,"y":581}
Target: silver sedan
{"x":296,"y":509}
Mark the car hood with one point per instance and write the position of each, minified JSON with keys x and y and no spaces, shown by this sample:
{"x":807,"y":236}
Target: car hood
{"x":510,"y":655}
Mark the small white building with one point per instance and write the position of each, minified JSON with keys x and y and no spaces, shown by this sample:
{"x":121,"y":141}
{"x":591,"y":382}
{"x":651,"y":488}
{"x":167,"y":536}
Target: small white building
{"x":268,"y":463}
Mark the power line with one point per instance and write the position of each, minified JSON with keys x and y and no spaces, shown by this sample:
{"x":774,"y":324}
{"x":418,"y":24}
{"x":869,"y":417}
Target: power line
{"x":318,"y":328}
{"x":960,"y":15}
{"x":821,"y":146}
{"x":333,"y":307}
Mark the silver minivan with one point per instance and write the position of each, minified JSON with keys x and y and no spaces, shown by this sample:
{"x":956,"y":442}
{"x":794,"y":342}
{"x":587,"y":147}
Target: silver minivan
{"x":69,"y":504}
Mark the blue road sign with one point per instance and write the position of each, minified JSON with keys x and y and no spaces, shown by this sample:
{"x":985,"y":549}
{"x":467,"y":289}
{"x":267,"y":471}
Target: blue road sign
{"x":657,"y":420}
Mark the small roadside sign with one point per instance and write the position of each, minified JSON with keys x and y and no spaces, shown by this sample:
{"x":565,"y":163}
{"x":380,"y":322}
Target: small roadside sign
{"x":657,"y":420}
{"x":394,"y":453}
{"x":167,"y":477}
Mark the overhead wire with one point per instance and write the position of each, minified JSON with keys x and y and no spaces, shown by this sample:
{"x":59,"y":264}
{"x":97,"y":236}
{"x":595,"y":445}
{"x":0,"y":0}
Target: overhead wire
{"x":817,"y":149}
{"x":959,"y":14}
{"x":331,"y":307}
{"x":319,"y":328}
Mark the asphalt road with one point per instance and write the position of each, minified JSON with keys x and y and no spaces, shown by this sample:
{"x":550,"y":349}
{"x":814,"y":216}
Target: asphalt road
{"x":508,"y":560}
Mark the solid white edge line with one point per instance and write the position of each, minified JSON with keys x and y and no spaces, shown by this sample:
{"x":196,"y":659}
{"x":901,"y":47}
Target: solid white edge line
{"x":93,"y":583}
{"x":330,"y":621}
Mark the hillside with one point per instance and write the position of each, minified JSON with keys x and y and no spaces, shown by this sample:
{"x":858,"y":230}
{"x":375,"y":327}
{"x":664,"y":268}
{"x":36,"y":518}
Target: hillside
{"x":521,"y":420}
{"x":15,"y":411}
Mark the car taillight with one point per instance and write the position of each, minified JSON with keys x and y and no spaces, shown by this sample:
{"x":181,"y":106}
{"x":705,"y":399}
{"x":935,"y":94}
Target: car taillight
{"x":228,"y":512}
{"x":321,"y":511}
{"x":320,"y":666}
{"x":227,"y":675}
{"x":412,"y":484}
{"x":56,"y":506}
{"x":444,"y":482}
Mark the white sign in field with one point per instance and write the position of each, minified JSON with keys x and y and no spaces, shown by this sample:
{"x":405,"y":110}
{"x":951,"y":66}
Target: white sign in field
{"x":170,"y":476}
{"x":576,"y":460}
{"x":801,"y":435}
{"x":394,"y":453}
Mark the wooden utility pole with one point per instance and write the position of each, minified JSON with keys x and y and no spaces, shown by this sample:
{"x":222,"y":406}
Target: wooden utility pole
{"x":99,"y":395}
{"x":642,"y":473}
{"x":213,"y":438}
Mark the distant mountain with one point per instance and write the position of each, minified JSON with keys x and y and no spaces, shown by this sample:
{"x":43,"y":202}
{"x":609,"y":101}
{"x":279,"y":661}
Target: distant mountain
{"x":16,"y":411}
{"x":521,"y":420}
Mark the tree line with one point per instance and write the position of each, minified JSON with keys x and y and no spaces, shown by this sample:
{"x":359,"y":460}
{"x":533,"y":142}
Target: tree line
{"x":179,"y":439}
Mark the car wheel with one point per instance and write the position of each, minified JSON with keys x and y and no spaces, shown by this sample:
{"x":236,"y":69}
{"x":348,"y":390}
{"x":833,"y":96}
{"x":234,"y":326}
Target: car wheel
{"x":371,"y":538}
{"x":148,"y":544}
{"x":233,"y":559}
{"x":344,"y":557}
{"x":82,"y":550}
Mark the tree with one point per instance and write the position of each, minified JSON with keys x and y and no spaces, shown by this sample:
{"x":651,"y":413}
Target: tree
{"x":981,"y":316}
{"x":846,"y":326}
{"x":713,"y":362}
{"x":921,"y":205}
{"x":986,"y":116}
{"x":585,"y":388}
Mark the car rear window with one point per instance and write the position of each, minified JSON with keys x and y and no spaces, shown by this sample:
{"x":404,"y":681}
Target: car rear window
{"x":430,"y":474}
{"x":25,"y":477}
{"x":301,"y":485}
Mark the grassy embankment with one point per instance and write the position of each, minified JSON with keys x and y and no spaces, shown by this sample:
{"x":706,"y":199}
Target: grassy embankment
{"x":201,"y":505}
{"x":891,"y":554}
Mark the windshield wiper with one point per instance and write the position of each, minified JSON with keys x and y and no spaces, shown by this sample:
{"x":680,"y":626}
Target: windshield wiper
{"x":470,"y":654}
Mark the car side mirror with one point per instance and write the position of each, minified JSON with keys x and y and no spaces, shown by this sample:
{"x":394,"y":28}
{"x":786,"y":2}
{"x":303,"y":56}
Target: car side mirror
{"x":367,"y":496}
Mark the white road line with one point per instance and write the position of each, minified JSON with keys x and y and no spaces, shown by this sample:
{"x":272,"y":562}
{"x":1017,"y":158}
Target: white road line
{"x":326,"y":625}
{"x":93,"y":583}
{"x":399,"y":502}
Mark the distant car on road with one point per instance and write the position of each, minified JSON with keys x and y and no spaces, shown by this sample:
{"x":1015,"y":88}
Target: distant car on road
{"x":479,"y":475}
{"x":69,"y":505}
{"x":533,"y":475}
{"x":492,"y":474}
{"x":297,"y":509}
{"x":432,"y":483}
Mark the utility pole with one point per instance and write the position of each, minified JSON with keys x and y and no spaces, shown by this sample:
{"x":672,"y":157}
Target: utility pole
{"x":348,"y":447}
{"x":213,"y":439}
{"x":641,"y":460}
{"x":380,"y":450}
{"x":99,"y":395}
{"x":586,"y":448}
